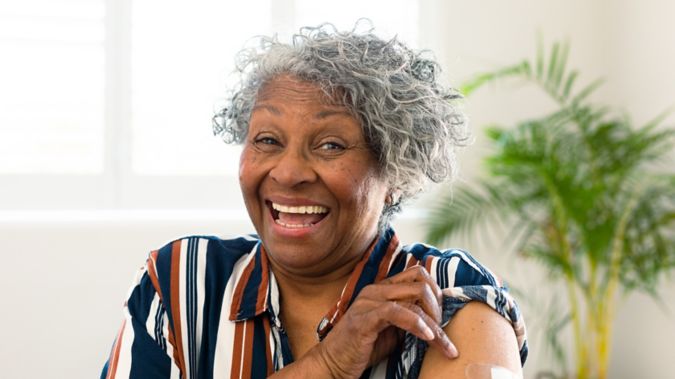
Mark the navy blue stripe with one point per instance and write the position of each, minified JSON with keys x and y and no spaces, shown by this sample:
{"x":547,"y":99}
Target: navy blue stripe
{"x":191,"y":302}
{"x":366,"y":373}
{"x":149,"y":360}
{"x":259,"y":357}
{"x":486,"y":275}
{"x":442,"y":273}
{"x":466,"y":275}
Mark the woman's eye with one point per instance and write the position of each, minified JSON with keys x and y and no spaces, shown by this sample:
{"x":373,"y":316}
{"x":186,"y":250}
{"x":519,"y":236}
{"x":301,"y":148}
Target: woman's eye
{"x":266,"y":141}
{"x":331,"y":146}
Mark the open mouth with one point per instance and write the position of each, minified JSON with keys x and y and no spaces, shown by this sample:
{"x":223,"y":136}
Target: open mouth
{"x":302,"y":216}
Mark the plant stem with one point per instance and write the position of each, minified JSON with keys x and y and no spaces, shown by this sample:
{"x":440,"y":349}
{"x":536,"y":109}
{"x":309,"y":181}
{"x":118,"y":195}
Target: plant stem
{"x":580,"y":347}
{"x":604,"y":346}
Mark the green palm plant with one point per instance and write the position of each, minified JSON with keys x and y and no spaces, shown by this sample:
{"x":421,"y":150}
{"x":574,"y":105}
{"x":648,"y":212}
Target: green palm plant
{"x":590,"y":192}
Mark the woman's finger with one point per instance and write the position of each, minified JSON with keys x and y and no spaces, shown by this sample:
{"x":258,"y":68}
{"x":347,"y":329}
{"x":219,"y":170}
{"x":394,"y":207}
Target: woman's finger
{"x":417,"y":274}
{"x":440,"y":340}
{"x":419,"y":293}
{"x":412,"y":319}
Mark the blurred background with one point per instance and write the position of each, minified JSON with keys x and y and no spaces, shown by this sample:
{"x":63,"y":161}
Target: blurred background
{"x":106,"y":149}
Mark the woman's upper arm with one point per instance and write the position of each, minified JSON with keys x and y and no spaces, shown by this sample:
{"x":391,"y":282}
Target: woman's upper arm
{"x":482,"y":336}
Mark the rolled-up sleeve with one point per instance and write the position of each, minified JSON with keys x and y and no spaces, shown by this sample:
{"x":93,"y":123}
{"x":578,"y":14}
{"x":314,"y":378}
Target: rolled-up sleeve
{"x":497,"y":298}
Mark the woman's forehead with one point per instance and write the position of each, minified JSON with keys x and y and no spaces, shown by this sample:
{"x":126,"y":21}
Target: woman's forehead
{"x":291,"y":88}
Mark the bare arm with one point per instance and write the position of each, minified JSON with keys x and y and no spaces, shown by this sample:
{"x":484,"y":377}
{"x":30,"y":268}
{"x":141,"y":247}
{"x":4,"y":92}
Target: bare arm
{"x":482,"y":337}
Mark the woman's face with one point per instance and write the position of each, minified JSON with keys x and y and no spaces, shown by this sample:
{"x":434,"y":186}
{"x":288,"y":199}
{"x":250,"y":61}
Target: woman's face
{"x":310,"y":183}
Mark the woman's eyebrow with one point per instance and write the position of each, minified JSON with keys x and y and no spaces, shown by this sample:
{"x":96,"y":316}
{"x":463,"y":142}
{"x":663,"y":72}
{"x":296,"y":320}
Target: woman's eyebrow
{"x":272,"y":109}
{"x":330,"y":113}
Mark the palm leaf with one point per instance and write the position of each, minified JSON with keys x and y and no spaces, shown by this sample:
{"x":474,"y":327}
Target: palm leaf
{"x":462,"y":210}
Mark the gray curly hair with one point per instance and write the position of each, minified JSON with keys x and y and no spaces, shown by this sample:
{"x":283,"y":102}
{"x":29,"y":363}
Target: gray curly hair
{"x":408,"y":119}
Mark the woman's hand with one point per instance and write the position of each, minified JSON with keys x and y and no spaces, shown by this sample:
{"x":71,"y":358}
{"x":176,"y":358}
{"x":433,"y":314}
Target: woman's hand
{"x":375,"y":323}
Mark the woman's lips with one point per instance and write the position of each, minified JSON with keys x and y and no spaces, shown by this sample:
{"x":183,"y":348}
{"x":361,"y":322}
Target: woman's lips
{"x":297,"y":216}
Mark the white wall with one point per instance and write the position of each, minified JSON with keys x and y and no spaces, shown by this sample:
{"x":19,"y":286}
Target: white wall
{"x":632,"y":46}
{"x":64,"y":276}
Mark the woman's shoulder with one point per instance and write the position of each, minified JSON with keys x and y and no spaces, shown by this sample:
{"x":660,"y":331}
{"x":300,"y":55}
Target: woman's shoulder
{"x":451,"y":267}
{"x":209,"y":244}
{"x":201,"y":253}
{"x":464,"y":279}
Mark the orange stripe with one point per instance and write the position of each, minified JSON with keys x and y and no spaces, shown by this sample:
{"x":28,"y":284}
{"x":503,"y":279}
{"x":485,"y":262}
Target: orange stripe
{"x":268,"y":350}
{"x":353,"y":279}
{"x":175,"y":306}
{"x":386,"y":260}
{"x":115,"y":353}
{"x":239,"y":291}
{"x":262,"y":291}
{"x":152,"y":273}
{"x":248,"y":349}
{"x":412,"y":262}
{"x":237,"y":349}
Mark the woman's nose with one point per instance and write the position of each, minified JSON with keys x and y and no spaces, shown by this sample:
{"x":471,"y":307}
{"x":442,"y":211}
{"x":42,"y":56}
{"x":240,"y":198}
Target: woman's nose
{"x":293,"y":168}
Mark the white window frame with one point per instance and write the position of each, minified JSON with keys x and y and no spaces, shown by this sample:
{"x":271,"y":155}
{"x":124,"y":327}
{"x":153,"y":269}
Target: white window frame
{"x":117,"y":187}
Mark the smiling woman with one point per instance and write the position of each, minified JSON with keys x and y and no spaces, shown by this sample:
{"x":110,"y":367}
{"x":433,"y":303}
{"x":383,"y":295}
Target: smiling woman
{"x":302,"y":151}
{"x":338,"y":130}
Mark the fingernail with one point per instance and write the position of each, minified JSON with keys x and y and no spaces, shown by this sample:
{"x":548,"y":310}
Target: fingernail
{"x":451,"y":350}
{"x":428,"y":333}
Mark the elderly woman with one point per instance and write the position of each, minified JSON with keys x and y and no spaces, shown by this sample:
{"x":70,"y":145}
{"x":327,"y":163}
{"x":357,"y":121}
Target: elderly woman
{"x":338,"y":130}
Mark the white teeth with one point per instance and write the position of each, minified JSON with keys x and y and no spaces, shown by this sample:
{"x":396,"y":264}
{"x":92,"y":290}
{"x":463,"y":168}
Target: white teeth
{"x":292,"y":226}
{"x":301,"y":209}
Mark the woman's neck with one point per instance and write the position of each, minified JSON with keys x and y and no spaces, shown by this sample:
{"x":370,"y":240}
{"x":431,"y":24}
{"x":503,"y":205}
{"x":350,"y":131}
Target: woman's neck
{"x":303,"y":304}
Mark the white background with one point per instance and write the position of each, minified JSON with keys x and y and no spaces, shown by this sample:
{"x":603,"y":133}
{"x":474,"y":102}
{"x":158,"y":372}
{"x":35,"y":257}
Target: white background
{"x":71,"y":241}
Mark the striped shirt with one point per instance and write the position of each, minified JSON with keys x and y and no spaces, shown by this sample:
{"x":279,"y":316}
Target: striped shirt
{"x":203,"y":307}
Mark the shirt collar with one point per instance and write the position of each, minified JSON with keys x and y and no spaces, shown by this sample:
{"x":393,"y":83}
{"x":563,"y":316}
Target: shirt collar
{"x":256,"y":290}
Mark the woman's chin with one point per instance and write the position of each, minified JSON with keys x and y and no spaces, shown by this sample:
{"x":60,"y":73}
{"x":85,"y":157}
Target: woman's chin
{"x":292,"y":259}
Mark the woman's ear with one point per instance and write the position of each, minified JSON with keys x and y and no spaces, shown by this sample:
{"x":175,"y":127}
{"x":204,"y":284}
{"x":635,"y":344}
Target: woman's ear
{"x":392,"y":198}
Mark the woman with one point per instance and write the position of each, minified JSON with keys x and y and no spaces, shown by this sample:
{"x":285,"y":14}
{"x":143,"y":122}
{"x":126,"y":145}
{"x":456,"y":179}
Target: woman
{"x":338,"y":130}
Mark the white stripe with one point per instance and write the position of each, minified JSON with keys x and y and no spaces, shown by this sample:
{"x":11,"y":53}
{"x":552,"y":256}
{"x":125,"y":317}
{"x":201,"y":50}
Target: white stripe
{"x":201,"y":280}
{"x":222,"y":364}
{"x":275,"y":338}
{"x":277,"y":349}
{"x":491,"y":297}
{"x":182,"y":287}
{"x":150,"y":323}
{"x":274,"y":293}
{"x":243,"y":351}
{"x":380,"y":370}
{"x":124,"y":359}
{"x":432,"y":269}
{"x":452,"y":270}
{"x":394,"y":256}
{"x":456,"y":292}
